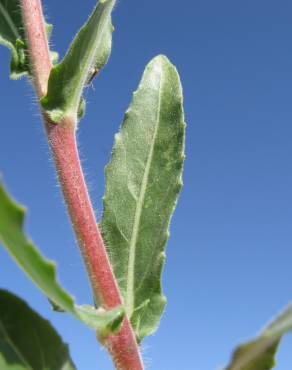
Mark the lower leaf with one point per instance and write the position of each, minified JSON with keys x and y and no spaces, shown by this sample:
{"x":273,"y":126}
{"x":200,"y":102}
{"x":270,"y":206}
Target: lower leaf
{"x":43,"y":272}
{"x":27,"y":341}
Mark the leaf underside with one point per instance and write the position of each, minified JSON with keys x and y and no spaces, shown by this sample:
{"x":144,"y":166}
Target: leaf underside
{"x":12,"y":36}
{"x":143,"y":181}
{"x":88,"y":53}
{"x":43,"y":272}
{"x":259,"y":354}
{"x":27,"y":341}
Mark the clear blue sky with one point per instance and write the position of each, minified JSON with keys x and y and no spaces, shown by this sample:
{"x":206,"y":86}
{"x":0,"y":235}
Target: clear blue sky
{"x":229,"y":256}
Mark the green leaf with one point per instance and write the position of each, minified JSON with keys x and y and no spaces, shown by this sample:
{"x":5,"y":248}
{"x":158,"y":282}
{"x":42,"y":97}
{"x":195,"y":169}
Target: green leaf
{"x":259,"y":354}
{"x":88,"y":54}
{"x":143,"y":181}
{"x":12,"y":36}
{"x":42,"y":271}
{"x":27,"y":341}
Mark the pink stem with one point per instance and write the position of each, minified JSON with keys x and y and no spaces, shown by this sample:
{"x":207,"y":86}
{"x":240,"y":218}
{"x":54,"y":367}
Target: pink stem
{"x":39,"y":55}
{"x":62,"y":140}
{"x":122,"y":346}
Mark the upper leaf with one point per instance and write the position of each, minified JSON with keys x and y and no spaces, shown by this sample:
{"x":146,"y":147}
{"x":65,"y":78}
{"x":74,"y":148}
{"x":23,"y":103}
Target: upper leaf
{"x":12,"y":35}
{"x":143,"y":181}
{"x":87,"y":54}
{"x":259,"y":354}
{"x":27,"y":341}
{"x":43,"y":272}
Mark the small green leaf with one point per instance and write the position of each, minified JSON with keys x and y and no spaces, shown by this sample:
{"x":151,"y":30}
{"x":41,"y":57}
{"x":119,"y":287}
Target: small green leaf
{"x":259,"y":354}
{"x":12,"y":36}
{"x":143,"y":181}
{"x":86,"y":56}
{"x":106,"y":322}
{"x":27,"y":341}
{"x":43,"y":272}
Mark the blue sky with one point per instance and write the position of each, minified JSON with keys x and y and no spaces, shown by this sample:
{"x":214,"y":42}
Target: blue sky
{"x":228,"y":267}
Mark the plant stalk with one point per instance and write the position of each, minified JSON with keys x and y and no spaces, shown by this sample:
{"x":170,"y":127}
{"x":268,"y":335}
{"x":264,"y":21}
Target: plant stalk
{"x":62,"y":141}
{"x":36,"y":36}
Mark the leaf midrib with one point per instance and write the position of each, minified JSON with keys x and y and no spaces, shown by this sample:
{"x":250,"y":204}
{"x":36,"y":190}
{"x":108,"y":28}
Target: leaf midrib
{"x":15,"y":349}
{"x":9,"y":21}
{"x":138,"y":212}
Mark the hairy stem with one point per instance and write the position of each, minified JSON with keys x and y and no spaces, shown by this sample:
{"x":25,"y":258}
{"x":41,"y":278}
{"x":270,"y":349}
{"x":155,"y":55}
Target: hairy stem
{"x":123,"y":346}
{"x":38,"y":48}
{"x":62,"y":140}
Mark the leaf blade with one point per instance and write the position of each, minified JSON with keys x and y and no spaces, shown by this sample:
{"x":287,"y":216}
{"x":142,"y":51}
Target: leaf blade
{"x":259,"y":354}
{"x":88,"y":53}
{"x":42,"y":271}
{"x":27,"y":341}
{"x":143,"y":181}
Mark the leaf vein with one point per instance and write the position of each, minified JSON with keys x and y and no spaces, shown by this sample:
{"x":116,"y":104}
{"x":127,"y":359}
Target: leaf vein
{"x":13,"y":346}
{"x":138,"y":213}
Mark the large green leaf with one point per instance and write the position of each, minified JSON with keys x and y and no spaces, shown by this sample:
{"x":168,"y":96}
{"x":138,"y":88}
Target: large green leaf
{"x":12,"y":35}
{"x":143,"y":181}
{"x":259,"y":354}
{"x":43,"y":272}
{"x":88,"y":53}
{"x":27,"y":341}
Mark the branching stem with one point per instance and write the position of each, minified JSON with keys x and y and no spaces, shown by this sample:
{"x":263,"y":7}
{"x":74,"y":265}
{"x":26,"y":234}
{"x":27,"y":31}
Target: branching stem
{"x":62,"y":140}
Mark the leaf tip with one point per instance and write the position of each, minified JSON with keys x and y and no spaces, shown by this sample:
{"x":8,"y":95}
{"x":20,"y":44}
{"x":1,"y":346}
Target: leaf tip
{"x":161,"y":58}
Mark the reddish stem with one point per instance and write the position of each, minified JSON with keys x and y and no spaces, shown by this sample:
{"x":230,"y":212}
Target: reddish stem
{"x":62,"y":140}
{"x":64,"y":150}
{"x":39,"y":56}
{"x":122,"y":346}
